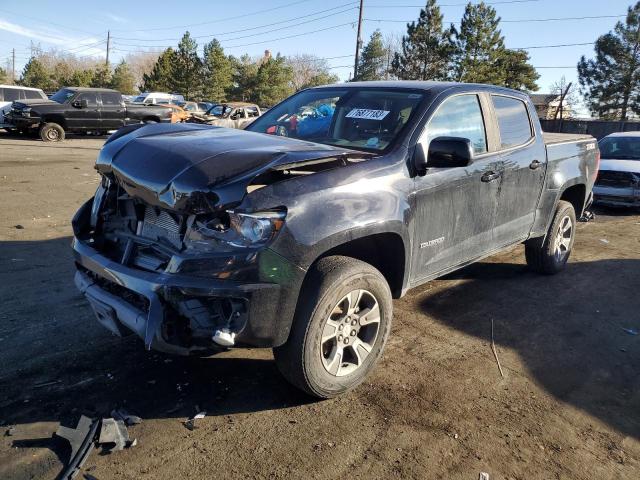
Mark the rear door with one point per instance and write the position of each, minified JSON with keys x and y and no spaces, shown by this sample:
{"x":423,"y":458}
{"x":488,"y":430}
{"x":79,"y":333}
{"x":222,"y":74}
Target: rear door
{"x":84,"y":118}
{"x":524,"y":157}
{"x":112,"y":111}
{"x":455,"y":207}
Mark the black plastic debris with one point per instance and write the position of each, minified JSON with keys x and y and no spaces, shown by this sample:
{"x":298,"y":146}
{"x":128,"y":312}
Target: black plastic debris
{"x":587,"y":216}
{"x":81,"y":440}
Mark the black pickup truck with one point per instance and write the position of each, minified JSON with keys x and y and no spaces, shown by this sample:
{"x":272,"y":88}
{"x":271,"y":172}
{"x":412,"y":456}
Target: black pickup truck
{"x":77,"y":109}
{"x":297,"y":237}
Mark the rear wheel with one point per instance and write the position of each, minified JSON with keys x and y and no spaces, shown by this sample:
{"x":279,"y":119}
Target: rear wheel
{"x":340,"y":327}
{"x":550,"y":254}
{"x":51,"y":132}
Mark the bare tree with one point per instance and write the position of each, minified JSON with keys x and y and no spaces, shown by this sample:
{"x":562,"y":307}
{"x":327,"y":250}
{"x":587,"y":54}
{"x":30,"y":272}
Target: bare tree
{"x":568,"y":97}
{"x":141,"y":62}
{"x":309,"y":70}
{"x":392,"y":43}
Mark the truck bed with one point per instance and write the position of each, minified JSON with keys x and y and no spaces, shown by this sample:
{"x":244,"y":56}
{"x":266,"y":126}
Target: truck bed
{"x":556,"y":138}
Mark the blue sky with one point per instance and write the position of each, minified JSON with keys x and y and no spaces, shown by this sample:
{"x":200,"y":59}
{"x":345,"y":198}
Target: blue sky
{"x":244,"y":26}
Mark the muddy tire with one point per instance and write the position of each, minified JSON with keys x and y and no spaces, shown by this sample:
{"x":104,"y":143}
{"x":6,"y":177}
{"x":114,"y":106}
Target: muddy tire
{"x":549,"y":254}
{"x":51,"y":132}
{"x":341,"y":325}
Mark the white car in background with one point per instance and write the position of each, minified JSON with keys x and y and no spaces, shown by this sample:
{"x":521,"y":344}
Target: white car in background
{"x":11,"y":93}
{"x":154,"y":98}
{"x":618,"y":182}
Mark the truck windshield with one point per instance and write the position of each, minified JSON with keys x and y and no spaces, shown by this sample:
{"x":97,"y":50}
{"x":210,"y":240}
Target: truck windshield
{"x":363,"y":119}
{"x":139,"y":99}
{"x":620,"y":148}
{"x":62,"y":95}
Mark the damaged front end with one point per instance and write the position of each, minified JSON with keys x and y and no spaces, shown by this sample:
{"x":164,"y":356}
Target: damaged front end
{"x":166,"y":251}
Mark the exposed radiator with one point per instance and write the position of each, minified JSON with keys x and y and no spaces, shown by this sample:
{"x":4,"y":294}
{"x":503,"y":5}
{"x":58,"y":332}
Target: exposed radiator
{"x":161,"y":225}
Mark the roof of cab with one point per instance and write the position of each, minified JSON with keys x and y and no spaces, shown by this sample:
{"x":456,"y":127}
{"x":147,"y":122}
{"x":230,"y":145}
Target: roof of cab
{"x":433,"y":86}
{"x":20,"y":87}
{"x":83,"y":89}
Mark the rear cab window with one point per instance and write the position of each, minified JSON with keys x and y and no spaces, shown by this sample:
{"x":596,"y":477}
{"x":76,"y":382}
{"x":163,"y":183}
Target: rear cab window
{"x":111,"y":99}
{"x":34,"y":95}
{"x":513,"y":121}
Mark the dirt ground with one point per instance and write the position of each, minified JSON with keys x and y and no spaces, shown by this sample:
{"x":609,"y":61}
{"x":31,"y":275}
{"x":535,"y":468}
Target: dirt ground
{"x":568,"y":406}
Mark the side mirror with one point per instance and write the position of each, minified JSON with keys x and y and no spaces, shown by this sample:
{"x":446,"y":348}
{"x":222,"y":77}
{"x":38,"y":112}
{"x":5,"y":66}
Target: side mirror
{"x":444,"y":152}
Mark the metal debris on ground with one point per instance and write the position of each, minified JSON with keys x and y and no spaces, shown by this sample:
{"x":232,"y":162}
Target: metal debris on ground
{"x":587,"y":216}
{"x":631,"y":331}
{"x":81,"y":440}
{"x":604,"y":240}
{"x":126,"y":417}
{"x":483,"y":476}
{"x":191,"y":422}
{"x":113,"y":435}
{"x":10,"y":431}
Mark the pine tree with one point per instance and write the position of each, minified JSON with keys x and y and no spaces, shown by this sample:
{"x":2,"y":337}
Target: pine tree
{"x":611,"y":81}
{"x":101,"y":77}
{"x":218,"y":72}
{"x":372,"y":62}
{"x":273,"y":81}
{"x":161,"y":77}
{"x":426,"y":48}
{"x":245,"y":72}
{"x":187,"y":69}
{"x":481,"y":56}
{"x":122,"y":79}
{"x":37,"y":76}
{"x":516,"y":71}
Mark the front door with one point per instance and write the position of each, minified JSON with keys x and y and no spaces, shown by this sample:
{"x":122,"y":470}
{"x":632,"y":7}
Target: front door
{"x":112,"y":111}
{"x":455,"y":207}
{"x":525,"y":162}
{"x":84,"y":117}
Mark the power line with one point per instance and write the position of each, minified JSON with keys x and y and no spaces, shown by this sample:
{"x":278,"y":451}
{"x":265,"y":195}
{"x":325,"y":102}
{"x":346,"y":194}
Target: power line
{"x":218,"y":19}
{"x":252,"y":34}
{"x":555,"y":46}
{"x":452,"y":4}
{"x":558,"y":19}
{"x":246,"y":28}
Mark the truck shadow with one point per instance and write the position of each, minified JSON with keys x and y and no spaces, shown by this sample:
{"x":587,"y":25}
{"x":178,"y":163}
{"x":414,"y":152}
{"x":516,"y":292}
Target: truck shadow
{"x":575,"y":332}
{"x":58,"y":362}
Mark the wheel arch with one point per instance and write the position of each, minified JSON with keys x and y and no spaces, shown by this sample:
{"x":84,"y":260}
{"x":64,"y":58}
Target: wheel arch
{"x":54,"y":118}
{"x":385,"y":251}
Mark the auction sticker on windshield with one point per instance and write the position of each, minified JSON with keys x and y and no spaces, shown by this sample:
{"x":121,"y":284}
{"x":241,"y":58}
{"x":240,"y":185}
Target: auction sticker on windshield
{"x":367,"y":114}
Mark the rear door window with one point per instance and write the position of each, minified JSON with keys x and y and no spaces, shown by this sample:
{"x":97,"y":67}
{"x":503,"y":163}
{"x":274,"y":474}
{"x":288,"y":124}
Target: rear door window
{"x":33,"y":95}
{"x":111,"y":99}
{"x":513,"y":121}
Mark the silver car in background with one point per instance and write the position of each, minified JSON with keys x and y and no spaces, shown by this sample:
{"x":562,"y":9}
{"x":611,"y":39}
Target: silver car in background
{"x":618,"y":182}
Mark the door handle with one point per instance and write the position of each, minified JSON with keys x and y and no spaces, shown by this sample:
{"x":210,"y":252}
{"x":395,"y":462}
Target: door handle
{"x":535,"y":164}
{"x":490,"y":176}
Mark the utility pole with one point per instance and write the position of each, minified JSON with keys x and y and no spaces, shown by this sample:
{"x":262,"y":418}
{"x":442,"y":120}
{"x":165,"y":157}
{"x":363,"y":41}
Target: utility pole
{"x":108,"y":47}
{"x":13,"y":66}
{"x":358,"y":43}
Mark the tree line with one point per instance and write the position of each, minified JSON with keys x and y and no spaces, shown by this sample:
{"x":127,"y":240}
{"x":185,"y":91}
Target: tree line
{"x":475,"y":51}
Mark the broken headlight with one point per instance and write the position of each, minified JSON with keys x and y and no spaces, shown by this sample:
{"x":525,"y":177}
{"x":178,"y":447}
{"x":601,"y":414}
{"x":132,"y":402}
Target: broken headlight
{"x":235,"y":229}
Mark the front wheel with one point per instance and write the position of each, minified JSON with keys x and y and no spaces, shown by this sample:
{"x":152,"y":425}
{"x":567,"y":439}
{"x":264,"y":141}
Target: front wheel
{"x":550,"y":254}
{"x":340,"y":328}
{"x":51,"y":132}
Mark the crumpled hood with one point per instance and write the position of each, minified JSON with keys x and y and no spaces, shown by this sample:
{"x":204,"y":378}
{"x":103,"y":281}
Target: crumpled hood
{"x":36,"y":102}
{"x":195,"y":168}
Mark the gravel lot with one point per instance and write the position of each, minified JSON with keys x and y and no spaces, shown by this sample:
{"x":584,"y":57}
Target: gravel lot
{"x":568,"y":406}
